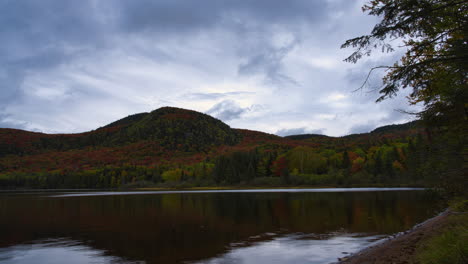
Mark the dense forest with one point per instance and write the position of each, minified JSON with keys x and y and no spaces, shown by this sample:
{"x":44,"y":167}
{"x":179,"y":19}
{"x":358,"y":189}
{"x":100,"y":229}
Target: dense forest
{"x":172,"y":147}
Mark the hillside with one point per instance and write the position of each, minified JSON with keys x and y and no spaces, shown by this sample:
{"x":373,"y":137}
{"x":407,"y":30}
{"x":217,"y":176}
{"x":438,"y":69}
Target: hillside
{"x":178,"y":146}
{"x":169,"y":127}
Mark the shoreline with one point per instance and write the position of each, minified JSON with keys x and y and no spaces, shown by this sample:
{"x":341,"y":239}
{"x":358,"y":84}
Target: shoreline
{"x":401,"y":247}
{"x":208,"y":188}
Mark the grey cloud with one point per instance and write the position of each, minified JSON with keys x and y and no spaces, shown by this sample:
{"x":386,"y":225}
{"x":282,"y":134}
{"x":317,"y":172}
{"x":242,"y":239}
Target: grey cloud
{"x":180,"y":15}
{"x":269,"y":62}
{"x":31,"y":28}
{"x":7,"y":121}
{"x":75,"y":47}
{"x":249,"y":20}
{"x":227,"y":110}
{"x":214,"y":96}
{"x":9,"y":85}
{"x":38,"y":35}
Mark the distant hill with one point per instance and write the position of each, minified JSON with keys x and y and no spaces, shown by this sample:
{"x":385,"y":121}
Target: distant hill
{"x":376,"y":137}
{"x":399,"y":127}
{"x":172,"y":128}
{"x":383,"y":129}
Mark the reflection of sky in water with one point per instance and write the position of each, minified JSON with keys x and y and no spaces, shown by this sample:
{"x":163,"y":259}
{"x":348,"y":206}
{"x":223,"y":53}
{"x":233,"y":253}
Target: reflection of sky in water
{"x":294,"y":249}
{"x":57,"y":252}
{"x":292,"y":190}
{"x":289,"y":249}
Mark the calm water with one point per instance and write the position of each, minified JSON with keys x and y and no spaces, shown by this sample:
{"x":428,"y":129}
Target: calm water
{"x":261,"y":226}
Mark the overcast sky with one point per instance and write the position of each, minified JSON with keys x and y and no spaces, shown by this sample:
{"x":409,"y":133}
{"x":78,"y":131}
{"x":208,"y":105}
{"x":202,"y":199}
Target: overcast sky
{"x":269,"y":65}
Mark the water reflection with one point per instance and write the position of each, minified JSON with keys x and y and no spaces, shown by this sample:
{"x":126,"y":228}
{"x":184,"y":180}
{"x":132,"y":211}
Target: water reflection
{"x":191,"y":227}
{"x":296,"y":249}
{"x":315,"y":190}
{"x":57,"y":251}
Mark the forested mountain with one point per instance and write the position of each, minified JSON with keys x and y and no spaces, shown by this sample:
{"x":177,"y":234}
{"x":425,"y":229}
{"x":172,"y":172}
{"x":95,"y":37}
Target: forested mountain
{"x":178,"y":147}
{"x":172,"y":128}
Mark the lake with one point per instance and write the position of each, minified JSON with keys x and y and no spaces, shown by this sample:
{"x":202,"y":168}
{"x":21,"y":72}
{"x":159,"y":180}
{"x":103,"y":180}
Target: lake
{"x":250,"y":226}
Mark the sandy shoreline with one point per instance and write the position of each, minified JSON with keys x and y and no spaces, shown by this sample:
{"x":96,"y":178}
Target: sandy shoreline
{"x":401,"y":247}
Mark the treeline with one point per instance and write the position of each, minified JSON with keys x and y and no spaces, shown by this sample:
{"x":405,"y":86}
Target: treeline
{"x":109,"y":177}
{"x":402,"y":161}
{"x":394,"y":161}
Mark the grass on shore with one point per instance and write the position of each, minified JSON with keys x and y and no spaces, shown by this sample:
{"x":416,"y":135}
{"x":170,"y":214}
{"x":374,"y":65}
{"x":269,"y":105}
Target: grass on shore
{"x":450,"y":246}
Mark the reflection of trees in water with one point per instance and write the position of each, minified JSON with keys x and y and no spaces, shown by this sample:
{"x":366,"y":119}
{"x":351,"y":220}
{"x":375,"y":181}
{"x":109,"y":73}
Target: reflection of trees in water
{"x":176,"y":227}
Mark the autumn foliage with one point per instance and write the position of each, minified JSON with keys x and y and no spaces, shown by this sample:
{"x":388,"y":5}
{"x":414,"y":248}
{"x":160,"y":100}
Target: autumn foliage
{"x":177,"y":146}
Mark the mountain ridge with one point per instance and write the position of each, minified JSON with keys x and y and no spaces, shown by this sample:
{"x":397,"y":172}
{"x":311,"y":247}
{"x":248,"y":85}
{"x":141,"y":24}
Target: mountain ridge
{"x":173,"y":145}
{"x":133,"y":118}
{"x":175,"y":128}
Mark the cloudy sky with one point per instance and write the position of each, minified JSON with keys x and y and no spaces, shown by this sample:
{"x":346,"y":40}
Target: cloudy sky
{"x":269,"y":65}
